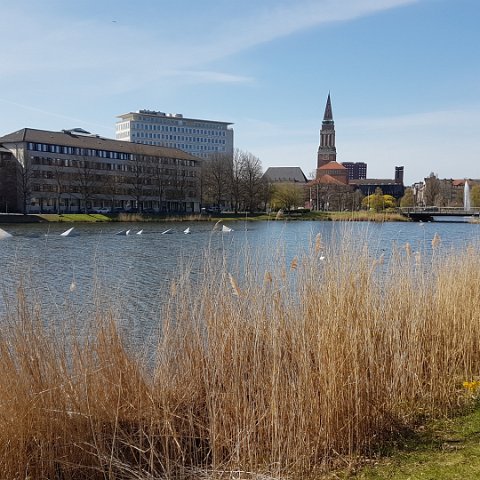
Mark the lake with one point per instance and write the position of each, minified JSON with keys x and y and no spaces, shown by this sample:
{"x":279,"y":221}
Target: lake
{"x":70,"y":276}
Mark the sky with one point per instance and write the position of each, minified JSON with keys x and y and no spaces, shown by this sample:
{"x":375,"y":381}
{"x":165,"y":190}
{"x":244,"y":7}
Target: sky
{"x":403,"y":74}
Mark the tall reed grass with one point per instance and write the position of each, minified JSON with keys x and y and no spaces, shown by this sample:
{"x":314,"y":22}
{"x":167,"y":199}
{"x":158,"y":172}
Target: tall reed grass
{"x":278,"y":371}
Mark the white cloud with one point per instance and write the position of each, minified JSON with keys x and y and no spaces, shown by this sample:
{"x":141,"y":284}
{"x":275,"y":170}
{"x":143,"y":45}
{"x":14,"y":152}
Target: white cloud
{"x":271,"y":22}
{"x":47,"y":44}
{"x":444,"y":142}
{"x":437,"y":119}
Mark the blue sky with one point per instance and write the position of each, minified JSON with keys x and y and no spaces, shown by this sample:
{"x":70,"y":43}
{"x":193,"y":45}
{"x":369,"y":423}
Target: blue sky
{"x":404,"y":75}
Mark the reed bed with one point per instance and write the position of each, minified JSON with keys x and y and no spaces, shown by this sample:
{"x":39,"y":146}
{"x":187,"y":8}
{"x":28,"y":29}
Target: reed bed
{"x":367,"y":216}
{"x":268,"y":370}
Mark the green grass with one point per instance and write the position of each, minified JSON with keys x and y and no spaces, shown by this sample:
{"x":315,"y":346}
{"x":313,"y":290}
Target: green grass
{"x":444,"y":449}
{"x":74,"y":217}
{"x":286,"y":369}
{"x":361,"y":216}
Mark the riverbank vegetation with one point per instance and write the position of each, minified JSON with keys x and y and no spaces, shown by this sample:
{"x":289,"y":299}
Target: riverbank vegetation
{"x":285,"y":368}
{"x":302,"y":214}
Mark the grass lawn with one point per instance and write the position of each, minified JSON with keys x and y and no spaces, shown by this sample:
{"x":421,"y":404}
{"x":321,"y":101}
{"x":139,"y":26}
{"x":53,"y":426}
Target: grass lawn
{"x":126,"y":217}
{"x":74,"y":217}
{"x":444,"y":449}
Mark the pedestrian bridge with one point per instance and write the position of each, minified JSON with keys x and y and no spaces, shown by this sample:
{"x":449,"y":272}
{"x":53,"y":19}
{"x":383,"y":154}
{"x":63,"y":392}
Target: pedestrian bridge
{"x":428,"y":214}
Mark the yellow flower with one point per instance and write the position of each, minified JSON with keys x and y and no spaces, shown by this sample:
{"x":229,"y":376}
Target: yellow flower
{"x":471,"y":386}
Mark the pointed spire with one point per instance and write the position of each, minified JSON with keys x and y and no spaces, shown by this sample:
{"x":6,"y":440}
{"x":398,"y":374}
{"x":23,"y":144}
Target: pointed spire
{"x":328,"y":115}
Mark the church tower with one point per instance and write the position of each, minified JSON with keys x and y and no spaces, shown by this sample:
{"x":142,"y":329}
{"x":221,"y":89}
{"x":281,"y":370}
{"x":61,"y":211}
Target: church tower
{"x":326,"y":150}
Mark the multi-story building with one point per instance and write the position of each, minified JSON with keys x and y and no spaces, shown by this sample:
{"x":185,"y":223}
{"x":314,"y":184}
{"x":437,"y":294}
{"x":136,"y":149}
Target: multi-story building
{"x":201,"y":138}
{"x":356,"y":170}
{"x":75,"y":171}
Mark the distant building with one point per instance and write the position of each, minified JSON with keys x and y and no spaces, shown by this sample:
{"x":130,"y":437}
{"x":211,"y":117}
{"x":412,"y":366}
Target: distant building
{"x":399,"y":175}
{"x":75,"y":171}
{"x":285,"y":175}
{"x":356,"y":170}
{"x":332,"y":170}
{"x":327,"y":166}
{"x":327,"y":151}
{"x":198,"y":137}
{"x":388,"y":186}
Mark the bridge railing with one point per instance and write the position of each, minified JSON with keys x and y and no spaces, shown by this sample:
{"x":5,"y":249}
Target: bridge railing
{"x":432,"y":210}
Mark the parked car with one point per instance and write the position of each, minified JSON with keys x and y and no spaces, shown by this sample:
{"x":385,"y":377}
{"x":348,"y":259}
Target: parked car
{"x":103,"y":210}
{"x":149,"y":211}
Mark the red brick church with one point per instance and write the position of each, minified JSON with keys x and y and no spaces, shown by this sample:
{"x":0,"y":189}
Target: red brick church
{"x":328,"y":170}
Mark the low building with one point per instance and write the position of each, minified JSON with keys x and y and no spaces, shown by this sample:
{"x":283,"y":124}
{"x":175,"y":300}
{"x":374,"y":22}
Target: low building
{"x":285,"y":175}
{"x":386,"y":185}
{"x":393,"y":187}
{"x":75,"y":171}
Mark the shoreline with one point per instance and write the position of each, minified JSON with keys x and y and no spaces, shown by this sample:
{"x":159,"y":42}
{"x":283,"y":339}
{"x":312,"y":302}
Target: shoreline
{"x":362,"y":216}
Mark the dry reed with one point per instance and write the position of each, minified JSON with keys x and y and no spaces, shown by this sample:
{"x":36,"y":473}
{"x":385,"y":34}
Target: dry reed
{"x":279,"y":371}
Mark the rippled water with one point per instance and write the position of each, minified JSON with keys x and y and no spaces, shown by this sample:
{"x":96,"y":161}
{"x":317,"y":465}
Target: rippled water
{"x":134,"y":272}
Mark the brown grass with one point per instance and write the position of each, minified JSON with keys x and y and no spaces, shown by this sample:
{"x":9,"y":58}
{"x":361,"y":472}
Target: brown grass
{"x":280,"y":371}
{"x":367,"y":216}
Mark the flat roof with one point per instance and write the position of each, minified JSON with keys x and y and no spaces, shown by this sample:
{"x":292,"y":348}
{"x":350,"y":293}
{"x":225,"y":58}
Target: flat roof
{"x":171,"y":117}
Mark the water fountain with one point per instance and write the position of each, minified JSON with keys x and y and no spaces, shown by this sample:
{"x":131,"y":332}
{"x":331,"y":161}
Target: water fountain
{"x":466,"y":197}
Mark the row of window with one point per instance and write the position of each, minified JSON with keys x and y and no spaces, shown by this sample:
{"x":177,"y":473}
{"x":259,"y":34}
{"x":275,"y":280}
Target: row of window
{"x":91,"y":152}
{"x":115,"y":190}
{"x":84,"y":152}
{"x":183,"y":146}
{"x":180,"y":138}
{"x":75,"y":162}
{"x":165,"y":128}
{"x":88,"y":166}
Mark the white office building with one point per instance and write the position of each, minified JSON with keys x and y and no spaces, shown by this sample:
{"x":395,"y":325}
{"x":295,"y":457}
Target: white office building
{"x":201,"y":138}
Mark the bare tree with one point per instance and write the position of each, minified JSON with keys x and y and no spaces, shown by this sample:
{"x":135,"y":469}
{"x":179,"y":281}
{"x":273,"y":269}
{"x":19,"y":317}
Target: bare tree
{"x":24,"y":177}
{"x":138,"y":178}
{"x":159,"y":182}
{"x":179,"y":186}
{"x":113,"y":188}
{"x":252,"y":183}
{"x":8,"y":183}
{"x":432,"y":189}
{"x":61,"y":181}
{"x":85,"y":181}
{"x":236,"y":179}
{"x":216,"y":171}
